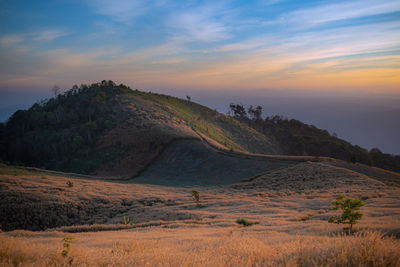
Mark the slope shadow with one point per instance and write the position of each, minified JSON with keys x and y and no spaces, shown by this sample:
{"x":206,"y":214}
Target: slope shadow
{"x":190,"y":162}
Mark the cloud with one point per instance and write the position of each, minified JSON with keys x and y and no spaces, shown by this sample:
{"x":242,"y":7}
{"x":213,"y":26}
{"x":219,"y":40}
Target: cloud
{"x":379,"y":37}
{"x":29,"y":37}
{"x":12,"y":39}
{"x":213,"y":44}
{"x":246,"y":45}
{"x":270,"y":2}
{"x":309,"y":17}
{"x":359,"y":55}
{"x":205,"y":23}
{"x":123,"y":11}
{"x":48,"y":35}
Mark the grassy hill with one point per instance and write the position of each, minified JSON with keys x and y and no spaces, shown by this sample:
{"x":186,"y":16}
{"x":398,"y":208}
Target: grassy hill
{"x":110,"y":130}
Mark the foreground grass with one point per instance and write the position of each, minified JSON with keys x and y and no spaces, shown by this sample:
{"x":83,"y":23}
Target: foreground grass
{"x":288,"y":209}
{"x":198,"y":247}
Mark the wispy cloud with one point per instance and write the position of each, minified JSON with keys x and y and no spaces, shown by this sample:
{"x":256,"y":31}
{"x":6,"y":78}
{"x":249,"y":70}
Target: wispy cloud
{"x":212,"y":44}
{"x":122,"y":10}
{"x":308,"y":17}
{"x":270,"y":2}
{"x":48,"y":35}
{"x":246,"y":45}
{"x":11,"y":39}
{"x":35,"y":36}
{"x":205,"y":23}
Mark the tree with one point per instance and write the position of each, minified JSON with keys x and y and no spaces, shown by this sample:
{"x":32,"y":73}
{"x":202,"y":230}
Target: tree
{"x":375,"y":150}
{"x":196,"y":196}
{"x":255,"y":113}
{"x":237,"y":110}
{"x":55,"y":90}
{"x":350,"y":214}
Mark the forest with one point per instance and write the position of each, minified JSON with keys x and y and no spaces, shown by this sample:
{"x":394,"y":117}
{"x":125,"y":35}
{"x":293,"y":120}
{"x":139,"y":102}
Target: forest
{"x":60,"y":133}
{"x":297,"y":138}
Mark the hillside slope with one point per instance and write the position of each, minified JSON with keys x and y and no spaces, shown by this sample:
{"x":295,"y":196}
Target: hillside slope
{"x":189,"y":162}
{"x":110,"y":130}
{"x":278,"y":197}
{"x":296,"y":138}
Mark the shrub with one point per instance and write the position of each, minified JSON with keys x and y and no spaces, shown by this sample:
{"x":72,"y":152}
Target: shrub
{"x":67,"y":241}
{"x":127,"y":221}
{"x":350,"y":214}
{"x":70,"y":184}
{"x":244,"y":222}
{"x":196,"y":196}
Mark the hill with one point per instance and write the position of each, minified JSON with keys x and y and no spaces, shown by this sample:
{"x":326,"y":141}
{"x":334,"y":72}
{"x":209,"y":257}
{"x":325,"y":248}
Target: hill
{"x":294,"y":137}
{"x":112,"y":131}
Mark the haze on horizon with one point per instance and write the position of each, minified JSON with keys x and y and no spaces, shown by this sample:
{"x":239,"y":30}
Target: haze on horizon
{"x":338,"y":52}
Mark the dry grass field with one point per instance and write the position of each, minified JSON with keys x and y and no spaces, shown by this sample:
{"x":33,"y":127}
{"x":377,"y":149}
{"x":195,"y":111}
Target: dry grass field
{"x":289,"y":209}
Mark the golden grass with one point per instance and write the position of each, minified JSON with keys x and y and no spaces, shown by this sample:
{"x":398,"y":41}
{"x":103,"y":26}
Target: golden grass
{"x":290,"y":209}
{"x":363,"y":249}
{"x":200,"y":247}
{"x":301,"y":193}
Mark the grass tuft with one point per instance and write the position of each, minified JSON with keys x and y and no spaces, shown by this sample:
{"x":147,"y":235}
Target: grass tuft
{"x":243,"y":222}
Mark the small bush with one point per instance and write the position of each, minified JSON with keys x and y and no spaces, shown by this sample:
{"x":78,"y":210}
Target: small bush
{"x":127,"y":221}
{"x":67,"y":242}
{"x":244,"y":222}
{"x":70,"y":184}
{"x":196,"y":196}
{"x":350,"y":215}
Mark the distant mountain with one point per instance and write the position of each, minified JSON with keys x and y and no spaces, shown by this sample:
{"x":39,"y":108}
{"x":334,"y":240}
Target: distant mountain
{"x":111,"y":130}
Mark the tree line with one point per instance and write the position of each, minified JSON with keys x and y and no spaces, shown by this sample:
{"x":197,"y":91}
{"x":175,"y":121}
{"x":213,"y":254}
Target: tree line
{"x":297,"y":138}
{"x":60,"y":133}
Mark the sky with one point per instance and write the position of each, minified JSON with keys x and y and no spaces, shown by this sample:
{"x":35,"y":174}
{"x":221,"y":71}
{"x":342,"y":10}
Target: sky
{"x":313,"y":45}
{"x":326,"y":48}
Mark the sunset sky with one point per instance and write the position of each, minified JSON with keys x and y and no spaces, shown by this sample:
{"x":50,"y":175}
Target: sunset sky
{"x":202,"y":45}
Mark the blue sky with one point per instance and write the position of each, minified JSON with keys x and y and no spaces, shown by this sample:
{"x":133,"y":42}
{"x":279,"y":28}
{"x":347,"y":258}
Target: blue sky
{"x":202,"y":45}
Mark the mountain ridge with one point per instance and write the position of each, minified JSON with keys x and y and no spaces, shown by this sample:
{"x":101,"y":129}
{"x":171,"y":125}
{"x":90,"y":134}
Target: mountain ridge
{"x":113,"y":131}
